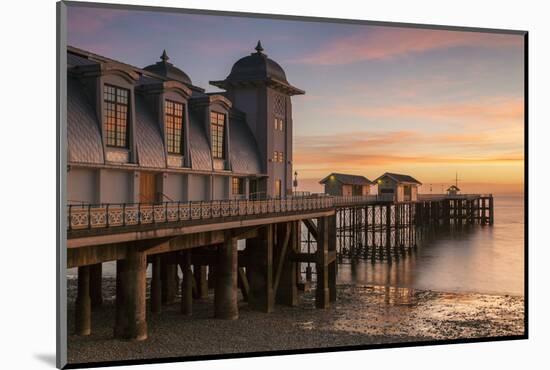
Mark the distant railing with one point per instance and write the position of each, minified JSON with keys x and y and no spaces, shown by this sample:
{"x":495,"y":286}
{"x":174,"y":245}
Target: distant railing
{"x":93,"y":216}
{"x":422,"y":197}
{"x":355,"y":199}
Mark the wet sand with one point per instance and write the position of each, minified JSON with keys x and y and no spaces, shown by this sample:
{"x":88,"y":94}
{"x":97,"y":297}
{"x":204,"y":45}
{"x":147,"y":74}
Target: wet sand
{"x":362,"y":315}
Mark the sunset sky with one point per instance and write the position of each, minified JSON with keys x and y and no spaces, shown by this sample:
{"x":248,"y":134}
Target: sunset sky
{"x":428,"y":103}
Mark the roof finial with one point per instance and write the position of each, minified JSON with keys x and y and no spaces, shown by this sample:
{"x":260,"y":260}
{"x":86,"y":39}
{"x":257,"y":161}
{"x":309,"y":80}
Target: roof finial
{"x":164,"y":57}
{"x":259,"y":47}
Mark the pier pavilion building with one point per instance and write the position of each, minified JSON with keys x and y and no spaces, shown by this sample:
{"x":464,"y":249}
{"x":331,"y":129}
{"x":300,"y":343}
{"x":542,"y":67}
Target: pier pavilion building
{"x":150,"y":135}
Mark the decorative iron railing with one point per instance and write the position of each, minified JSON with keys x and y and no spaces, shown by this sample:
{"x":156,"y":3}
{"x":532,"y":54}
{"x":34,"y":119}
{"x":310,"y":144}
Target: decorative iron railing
{"x":94,"y":216}
{"x":355,"y":199}
{"x":428,"y":197}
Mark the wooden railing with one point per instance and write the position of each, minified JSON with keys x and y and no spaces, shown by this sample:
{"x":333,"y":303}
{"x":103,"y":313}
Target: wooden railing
{"x":93,"y":216}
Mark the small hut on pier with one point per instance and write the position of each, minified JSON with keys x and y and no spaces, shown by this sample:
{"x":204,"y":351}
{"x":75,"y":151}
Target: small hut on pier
{"x":346,"y":185}
{"x":397,"y":187}
{"x":453,"y":190}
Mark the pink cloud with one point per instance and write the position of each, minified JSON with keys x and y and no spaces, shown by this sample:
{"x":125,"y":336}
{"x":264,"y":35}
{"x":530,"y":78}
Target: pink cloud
{"x":386,"y":43}
{"x":89,"y":20}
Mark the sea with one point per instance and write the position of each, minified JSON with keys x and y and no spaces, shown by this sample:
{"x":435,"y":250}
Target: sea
{"x":480,"y":259}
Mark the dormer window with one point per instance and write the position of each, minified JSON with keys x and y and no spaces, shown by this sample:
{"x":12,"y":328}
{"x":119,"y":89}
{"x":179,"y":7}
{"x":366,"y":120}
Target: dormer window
{"x":217,"y":133}
{"x":173,"y":117}
{"x":116,"y":116}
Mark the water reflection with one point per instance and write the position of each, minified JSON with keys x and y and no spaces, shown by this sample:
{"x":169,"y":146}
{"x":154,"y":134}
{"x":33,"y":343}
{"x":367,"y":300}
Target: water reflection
{"x":470,"y":259}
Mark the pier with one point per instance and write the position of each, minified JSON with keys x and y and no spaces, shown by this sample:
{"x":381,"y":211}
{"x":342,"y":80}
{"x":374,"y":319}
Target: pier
{"x":278,"y":236}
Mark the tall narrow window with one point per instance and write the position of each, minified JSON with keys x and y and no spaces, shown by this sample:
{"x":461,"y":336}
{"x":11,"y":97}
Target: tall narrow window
{"x":278,"y":124}
{"x":237,"y":186}
{"x":173,"y":116}
{"x":116,"y":116}
{"x":217,"y":125}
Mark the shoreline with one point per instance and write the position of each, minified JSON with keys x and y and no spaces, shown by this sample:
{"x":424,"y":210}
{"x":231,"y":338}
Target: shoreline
{"x":362,"y":314}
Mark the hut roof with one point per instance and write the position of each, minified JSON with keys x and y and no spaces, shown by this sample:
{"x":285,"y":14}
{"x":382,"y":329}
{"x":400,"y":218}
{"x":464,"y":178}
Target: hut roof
{"x":347,"y":179}
{"x":400,"y":178}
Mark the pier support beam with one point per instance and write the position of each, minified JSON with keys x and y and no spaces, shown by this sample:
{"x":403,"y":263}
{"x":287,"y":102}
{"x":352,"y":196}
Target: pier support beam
{"x":333,"y":265}
{"x":121,"y":320}
{"x":95,"y":285}
{"x":170,"y":279}
{"x":322,"y":293}
{"x":186,"y":284}
{"x":225,"y":297}
{"x":491,"y":211}
{"x":83,"y":323}
{"x":156,"y":285}
{"x":136,"y":265}
{"x":260,"y":273}
{"x":287,"y":289}
{"x":201,"y":280}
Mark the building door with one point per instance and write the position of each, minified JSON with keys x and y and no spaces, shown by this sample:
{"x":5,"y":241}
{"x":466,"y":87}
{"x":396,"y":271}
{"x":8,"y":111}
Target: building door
{"x":407,"y":193}
{"x":277,"y":193}
{"x":147,"y":187}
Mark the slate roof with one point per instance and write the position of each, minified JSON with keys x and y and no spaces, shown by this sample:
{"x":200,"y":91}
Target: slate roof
{"x":347,"y":179}
{"x":84,"y":142}
{"x":84,"y":136}
{"x":245,"y":157}
{"x":201,"y":157}
{"x":74,"y":60}
{"x":400,"y":178}
{"x":150,"y":147}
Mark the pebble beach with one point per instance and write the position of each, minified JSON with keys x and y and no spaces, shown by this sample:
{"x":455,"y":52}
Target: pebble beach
{"x":362,"y":315}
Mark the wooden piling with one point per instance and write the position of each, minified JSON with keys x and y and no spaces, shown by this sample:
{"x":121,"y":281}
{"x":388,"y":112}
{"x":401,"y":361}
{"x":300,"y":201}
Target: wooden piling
{"x":322,"y":293}
{"x":260,"y":273}
{"x":286,"y":286}
{"x":121,"y":320}
{"x":83,"y":323}
{"x":491,"y":211}
{"x":136,"y":265}
{"x":96,"y":293}
{"x":200,"y":273}
{"x":170,"y":279}
{"x":225,"y":295}
{"x":156,"y":285}
{"x":333,"y":265}
{"x":186,"y":284}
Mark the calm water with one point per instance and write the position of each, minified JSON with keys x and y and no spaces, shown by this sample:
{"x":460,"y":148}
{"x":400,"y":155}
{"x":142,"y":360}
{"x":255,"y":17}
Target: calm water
{"x":481,"y":259}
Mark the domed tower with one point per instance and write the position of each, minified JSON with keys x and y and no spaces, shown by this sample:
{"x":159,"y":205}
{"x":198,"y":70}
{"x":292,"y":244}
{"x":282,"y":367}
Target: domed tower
{"x":168,"y":70}
{"x":257,"y":86}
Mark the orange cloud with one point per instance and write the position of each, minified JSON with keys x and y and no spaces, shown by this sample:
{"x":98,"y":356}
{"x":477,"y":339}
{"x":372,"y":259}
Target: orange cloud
{"x":488,"y":109}
{"x":373,"y":43}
